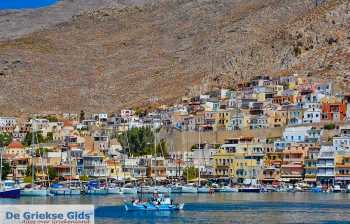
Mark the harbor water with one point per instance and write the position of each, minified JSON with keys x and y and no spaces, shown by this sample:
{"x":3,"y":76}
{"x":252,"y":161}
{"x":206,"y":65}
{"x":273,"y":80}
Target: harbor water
{"x":217,"y":208}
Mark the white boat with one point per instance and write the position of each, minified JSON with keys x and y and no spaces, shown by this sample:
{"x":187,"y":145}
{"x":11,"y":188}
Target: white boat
{"x":162,"y":189}
{"x":189,"y":188}
{"x":337,"y":189}
{"x":146,"y":190}
{"x":128,"y":189}
{"x":61,"y":189}
{"x":35,"y":191}
{"x":175,"y":189}
{"x":115,"y":190}
{"x":203,"y":189}
{"x":227,"y":189}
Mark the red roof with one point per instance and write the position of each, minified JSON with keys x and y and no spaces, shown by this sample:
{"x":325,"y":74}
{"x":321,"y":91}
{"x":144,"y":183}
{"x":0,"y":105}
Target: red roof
{"x":15,"y":145}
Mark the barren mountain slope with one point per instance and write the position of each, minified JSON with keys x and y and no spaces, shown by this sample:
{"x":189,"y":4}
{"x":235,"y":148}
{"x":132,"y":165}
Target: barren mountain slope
{"x":110,"y":58}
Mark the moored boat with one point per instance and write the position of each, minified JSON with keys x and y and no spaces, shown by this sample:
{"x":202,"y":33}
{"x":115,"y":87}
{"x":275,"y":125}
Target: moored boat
{"x":203,"y":189}
{"x":227,"y":189}
{"x":8,"y":189}
{"x":129,"y":189}
{"x":249,"y":189}
{"x":94,"y":188}
{"x":162,"y":189}
{"x":176,"y":189}
{"x":157,"y":203}
{"x":35,"y":191}
{"x":189,"y":188}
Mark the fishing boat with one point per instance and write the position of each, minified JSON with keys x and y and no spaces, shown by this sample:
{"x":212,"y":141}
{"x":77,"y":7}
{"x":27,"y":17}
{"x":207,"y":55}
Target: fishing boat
{"x":94,"y":187}
{"x":8,"y":189}
{"x":114,"y":189}
{"x":156,"y":203}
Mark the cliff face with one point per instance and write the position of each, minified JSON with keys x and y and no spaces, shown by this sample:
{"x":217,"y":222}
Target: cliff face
{"x":105,"y":59}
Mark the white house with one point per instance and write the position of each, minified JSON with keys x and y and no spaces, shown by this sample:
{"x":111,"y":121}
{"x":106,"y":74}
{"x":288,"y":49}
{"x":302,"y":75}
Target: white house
{"x":7,"y":122}
{"x":295,"y":134}
{"x":312,"y":115}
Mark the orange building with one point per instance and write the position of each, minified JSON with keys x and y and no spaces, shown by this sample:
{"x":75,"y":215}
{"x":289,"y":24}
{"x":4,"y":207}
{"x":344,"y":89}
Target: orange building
{"x":333,"y":109}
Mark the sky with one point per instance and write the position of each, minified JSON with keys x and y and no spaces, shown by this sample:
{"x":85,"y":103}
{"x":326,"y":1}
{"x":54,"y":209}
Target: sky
{"x":22,"y":4}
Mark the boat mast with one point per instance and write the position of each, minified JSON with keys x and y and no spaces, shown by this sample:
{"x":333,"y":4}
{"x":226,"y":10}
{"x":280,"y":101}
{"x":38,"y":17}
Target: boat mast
{"x":1,"y":164}
{"x":33,"y":151}
{"x":199,"y":147}
{"x":155,"y":157}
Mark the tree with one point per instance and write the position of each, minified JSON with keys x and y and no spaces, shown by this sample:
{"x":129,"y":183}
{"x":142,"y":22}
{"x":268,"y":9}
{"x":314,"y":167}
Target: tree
{"x":6,"y":169}
{"x":82,"y":116}
{"x":29,"y":171}
{"x":329,"y":126}
{"x":37,"y":139}
{"x":190,"y":173}
{"x":52,"y":173}
{"x":138,"y":141}
{"x":84,"y":178}
{"x":41,"y":151}
{"x":52,"y":118}
{"x":162,"y":148}
{"x":5,"y":139}
{"x":49,"y":137}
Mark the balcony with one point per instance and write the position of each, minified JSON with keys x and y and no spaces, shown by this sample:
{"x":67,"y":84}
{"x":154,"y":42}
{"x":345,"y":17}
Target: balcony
{"x":325,"y":165}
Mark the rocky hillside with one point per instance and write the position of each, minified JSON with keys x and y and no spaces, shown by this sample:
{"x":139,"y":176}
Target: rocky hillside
{"x":109,"y":58}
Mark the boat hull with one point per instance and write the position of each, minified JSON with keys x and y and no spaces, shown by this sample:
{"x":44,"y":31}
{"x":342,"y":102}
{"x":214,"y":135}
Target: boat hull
{"x":152,"y":207}
{"x":127,"y":190}
{"x":249,"y":190}
{"x":114,"y":190}
{"x":35,"y":192}
{"x":97,"y":192}
{"x":10,"y":193}
{"x":189,"y":190}
{"x":65,"y":191}
{"x":203,"y":190}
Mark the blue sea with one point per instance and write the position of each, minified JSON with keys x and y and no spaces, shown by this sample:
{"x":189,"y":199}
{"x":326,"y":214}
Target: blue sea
{"x":250,"y":208}
{"x":25,"y":4}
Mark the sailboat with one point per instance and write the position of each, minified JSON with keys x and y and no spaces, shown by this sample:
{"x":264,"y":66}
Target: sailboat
{"x":188,"y":187}
{"x":33,"y":189}
{"x":201,"y":189}
{"x":8,"y":188}
{"x":72,"y":188}
{"x":158,"y":188}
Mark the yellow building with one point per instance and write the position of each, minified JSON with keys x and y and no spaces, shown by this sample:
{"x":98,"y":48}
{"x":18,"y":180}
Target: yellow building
{"x":244,"y":169}
{"x":222,"y":165}
{"x":114,"y":169}
{"x":342,"y":168}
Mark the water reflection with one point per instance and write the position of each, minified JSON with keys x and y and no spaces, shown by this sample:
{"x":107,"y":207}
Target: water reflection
{"x":219,"y":208}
